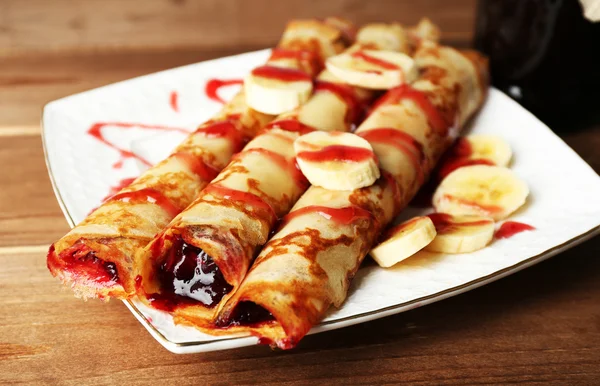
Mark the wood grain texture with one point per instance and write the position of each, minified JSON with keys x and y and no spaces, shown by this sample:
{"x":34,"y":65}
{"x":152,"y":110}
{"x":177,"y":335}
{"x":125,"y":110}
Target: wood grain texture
{"x":27,"y":83}
{"x":29,"y":213}
{"x":541,"y":325}
{"x":70,"y":25}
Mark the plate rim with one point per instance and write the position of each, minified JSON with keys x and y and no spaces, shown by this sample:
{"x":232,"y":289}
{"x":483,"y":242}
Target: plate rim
{"x":183,"y":347}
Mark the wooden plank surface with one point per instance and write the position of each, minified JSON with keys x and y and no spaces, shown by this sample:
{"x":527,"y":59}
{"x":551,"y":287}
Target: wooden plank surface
{"x":68,"y":25}
{"x":27,"y":83}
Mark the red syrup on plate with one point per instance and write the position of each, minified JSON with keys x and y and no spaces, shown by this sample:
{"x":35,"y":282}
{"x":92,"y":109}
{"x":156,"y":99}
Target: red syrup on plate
{"x":511,"y":228}
{"x":212,"y":87}
{"x":173,"y":101}
{"x":97,"y":132}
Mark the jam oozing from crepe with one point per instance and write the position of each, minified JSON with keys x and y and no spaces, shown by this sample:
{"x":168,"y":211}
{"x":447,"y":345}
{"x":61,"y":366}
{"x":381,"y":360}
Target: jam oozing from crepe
{"x":281,"y":73}
{"x":187,"y":276}
{"x":247,"y":314}
{"x":81,"y":259}
{"x":340,"y":153}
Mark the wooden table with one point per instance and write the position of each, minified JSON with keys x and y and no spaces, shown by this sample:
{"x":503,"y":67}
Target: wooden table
{"x":541,"y":325}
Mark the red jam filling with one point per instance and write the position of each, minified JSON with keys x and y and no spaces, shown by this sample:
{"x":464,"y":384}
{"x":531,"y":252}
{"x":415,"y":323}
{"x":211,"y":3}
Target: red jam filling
{"x":247,"y":314}
{"x":214,"y":85}
{"x":511,"y":228}
{"x":281,"y":73}
{"x":188,"y":276}
{"x":82,"y":261}
{"x":340,"y":153}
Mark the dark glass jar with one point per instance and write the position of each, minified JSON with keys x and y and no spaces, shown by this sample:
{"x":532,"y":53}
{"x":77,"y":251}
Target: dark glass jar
{"x":546,"y":55}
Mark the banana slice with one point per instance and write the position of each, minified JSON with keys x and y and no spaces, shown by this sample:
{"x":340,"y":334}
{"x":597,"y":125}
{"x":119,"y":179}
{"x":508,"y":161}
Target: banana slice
{"x":489,"y":147}
{"x":491,"y":191}
{"x":403,"y":241}
{"x":460,"y":234}
{"x":275,"y":90}
{"x":477,"y":149}
{"x":336,"y":160}
{"x":373,"y":69}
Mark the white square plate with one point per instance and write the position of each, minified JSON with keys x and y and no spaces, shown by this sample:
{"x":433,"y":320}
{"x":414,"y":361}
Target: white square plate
{"x":564,"y":203}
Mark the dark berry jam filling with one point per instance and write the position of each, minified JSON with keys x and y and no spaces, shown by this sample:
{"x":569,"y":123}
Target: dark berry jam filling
{"x":247,"y":314}
{"x":189,"y":276}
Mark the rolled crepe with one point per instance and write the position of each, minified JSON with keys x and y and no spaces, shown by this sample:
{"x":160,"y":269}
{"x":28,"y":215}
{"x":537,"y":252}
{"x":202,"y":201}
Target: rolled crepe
{"x":204,"y":254}
{"x":308,"y":264}
{"x":96,"y":257}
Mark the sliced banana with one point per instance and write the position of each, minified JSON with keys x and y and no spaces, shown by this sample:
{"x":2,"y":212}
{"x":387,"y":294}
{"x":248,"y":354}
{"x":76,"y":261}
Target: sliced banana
{"x":477,"y":149}
{"x":373,"y":69}
{"x":403,"y":241}
{"x":273,"y":95}
{"x":491,"y":191}
{"x":489,"y":147}
{"x":336,"y":160}
{"x":460,"y":234}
